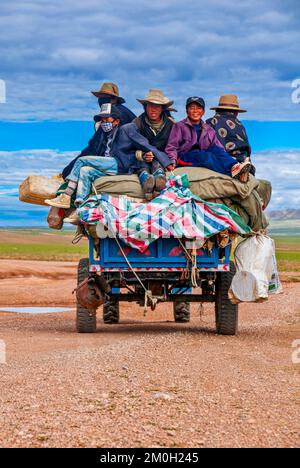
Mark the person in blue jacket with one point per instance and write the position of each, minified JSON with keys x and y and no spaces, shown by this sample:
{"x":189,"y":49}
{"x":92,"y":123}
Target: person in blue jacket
{"x":111,"y":151}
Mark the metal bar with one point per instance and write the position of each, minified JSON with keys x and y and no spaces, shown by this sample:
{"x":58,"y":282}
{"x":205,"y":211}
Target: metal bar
{"x":170,"y":298}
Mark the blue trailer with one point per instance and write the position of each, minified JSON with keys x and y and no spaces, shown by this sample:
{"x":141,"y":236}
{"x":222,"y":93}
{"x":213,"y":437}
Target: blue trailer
{"x":164,"y":273}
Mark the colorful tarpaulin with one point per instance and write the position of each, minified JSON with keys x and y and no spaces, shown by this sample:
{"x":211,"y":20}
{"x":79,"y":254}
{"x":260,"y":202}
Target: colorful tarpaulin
{"x":177,"y":212}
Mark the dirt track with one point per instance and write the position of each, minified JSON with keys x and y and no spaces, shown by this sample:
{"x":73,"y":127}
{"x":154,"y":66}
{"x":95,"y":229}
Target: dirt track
{"x":147,"y":381}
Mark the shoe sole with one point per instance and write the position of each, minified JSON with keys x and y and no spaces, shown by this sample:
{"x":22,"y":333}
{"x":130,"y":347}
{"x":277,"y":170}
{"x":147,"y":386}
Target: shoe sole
{"x":75,"y":223}
{"x":57,"y":205}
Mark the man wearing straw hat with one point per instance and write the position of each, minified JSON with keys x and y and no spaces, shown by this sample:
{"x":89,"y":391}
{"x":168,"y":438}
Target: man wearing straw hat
{"x":154,"y":124}
{"x":230,"y":131}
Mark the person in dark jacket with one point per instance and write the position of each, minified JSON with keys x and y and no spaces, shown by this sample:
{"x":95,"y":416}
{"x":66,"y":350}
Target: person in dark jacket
{"x":92,"y":163}
{"x":111,"y":151}
{"x":155,"y":124}
{"x":230,"y":131}
{"x":109,"y":94}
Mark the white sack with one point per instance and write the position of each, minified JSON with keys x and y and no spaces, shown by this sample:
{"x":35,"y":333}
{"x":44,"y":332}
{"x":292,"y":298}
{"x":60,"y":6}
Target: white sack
{"x":254,"y":259}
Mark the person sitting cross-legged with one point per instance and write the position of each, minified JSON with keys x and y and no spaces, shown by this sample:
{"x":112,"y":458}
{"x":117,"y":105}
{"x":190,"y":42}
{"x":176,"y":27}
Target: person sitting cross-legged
{"x":154,"y":124}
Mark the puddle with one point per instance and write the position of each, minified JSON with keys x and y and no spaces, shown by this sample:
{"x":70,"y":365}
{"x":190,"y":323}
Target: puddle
{"x":34,"y":310}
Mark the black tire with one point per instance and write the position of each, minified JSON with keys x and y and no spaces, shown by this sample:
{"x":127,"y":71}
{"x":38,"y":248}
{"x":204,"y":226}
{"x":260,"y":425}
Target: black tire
{"x":85,"y":318}
{"x":226,"y":312}
{"x":182,"y":312}
{"x":111,"y":312}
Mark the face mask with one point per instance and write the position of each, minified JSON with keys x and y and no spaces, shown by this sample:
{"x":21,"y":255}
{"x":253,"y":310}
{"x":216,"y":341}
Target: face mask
{"x":107,"y":126}
{"x":104,"y":100}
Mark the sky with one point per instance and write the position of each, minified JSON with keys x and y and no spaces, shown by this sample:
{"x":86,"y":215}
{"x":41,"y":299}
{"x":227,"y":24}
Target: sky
{"x":54,"y":53}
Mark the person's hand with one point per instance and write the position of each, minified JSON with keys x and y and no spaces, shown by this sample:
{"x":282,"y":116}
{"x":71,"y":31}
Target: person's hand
{"x":148,"y":157}
{"x":170,"y":167}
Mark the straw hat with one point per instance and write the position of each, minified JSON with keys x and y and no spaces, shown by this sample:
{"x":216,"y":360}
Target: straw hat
{"x":111,"y":89}
{"x":156,"y":96}
{"x":229,"y":102}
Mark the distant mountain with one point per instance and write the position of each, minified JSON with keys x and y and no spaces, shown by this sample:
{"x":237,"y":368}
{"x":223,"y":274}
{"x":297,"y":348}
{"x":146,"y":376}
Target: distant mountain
{"x":281,"y":215}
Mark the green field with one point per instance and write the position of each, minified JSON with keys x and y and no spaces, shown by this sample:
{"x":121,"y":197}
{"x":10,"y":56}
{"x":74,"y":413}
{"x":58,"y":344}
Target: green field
{"x":288,"y":252}
{"x":41,"y":244}
{"x":34,"y":244}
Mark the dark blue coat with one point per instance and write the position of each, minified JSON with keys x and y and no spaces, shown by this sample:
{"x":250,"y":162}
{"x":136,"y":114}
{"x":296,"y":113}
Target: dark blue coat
{"x":127,"y":139}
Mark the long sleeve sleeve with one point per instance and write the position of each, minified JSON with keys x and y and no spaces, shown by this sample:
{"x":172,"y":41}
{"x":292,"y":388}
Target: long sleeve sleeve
{"x":173,"y":144}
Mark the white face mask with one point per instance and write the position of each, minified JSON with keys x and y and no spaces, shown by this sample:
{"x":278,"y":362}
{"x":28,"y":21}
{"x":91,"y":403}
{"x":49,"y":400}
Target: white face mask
{"x":107,"y":126}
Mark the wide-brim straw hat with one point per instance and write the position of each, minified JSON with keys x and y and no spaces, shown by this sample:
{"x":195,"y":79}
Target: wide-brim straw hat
{"x":156,"y":96}
{"x":111,"y":89}
{"x":228,"y":102}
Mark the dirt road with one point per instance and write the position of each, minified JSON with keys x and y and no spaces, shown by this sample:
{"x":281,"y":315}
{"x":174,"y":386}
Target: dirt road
{"x":147,"y":381}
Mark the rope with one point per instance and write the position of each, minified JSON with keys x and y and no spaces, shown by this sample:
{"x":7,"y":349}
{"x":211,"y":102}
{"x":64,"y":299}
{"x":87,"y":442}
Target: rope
{"x":148,"y":293}
{"x":193,"y":258}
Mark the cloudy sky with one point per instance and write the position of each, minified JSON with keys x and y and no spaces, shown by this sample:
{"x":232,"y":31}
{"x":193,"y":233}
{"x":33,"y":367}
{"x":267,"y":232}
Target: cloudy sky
{"x":53,"y":53}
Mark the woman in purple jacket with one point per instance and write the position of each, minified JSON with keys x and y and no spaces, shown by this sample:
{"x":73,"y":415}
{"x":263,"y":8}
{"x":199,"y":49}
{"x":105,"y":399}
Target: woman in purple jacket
{"x":194,"y":143}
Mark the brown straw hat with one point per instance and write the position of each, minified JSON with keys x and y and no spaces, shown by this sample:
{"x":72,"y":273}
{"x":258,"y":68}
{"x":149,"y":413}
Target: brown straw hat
{"x":156,"y":96}
{"x":229,"y":102}
{"x":111,"y":89}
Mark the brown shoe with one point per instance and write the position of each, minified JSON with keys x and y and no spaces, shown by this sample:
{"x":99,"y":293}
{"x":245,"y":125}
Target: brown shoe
{"x":160,"y":183}
{"x":62,"y":201}
{"x":148,"y":187}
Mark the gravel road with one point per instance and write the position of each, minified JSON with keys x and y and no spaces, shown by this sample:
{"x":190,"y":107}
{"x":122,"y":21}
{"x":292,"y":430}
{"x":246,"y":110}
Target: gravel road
{"x":146,"y":382}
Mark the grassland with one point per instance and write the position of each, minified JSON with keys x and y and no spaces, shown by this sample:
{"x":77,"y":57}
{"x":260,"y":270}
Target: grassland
{"x":44,"y":244}
{"x":41,"y":244}
{"x":288,"y":253}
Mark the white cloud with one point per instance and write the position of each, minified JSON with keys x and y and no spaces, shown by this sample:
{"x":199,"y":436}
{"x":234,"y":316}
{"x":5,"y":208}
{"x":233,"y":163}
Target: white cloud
{"x":69,"y":47}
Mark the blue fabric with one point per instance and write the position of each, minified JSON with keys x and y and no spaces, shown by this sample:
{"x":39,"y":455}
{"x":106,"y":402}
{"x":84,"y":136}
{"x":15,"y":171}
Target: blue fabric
{"x":149,"y":168}
{"x":96,"y":147}
{"x":215,"y":159}
{"x":143,"y":176}
{"x":198,"y":129}
{"x":86,"y":170}
{"x":128,"y":141}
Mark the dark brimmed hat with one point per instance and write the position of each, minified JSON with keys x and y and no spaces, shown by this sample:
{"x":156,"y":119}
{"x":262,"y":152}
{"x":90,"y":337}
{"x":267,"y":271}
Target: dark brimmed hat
{"x":111,"y":89}
{"x":197,"y":100}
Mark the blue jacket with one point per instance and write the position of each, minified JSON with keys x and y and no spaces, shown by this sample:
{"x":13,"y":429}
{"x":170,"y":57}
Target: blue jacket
{"x":94,"y":148}
{"x":127,"y":139}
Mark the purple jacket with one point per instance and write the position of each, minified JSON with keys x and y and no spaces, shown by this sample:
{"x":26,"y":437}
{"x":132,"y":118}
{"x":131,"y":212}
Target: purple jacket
{"x":183,"y":137}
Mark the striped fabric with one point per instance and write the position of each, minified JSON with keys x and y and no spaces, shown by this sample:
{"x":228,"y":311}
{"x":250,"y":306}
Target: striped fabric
{"x":177,"y":212}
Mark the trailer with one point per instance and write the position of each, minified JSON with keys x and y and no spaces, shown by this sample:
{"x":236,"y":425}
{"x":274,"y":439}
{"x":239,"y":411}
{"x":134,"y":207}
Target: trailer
{"x":163,"y":273}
